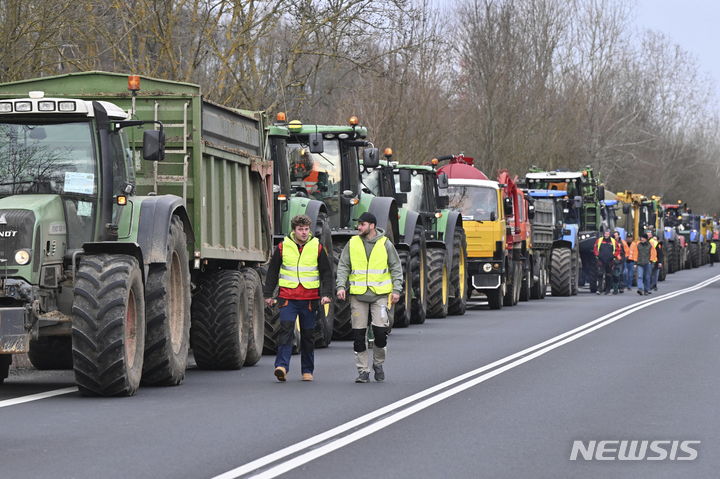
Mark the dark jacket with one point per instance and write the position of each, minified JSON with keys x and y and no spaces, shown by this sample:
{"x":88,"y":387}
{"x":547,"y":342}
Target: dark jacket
{"x":326,"y":277}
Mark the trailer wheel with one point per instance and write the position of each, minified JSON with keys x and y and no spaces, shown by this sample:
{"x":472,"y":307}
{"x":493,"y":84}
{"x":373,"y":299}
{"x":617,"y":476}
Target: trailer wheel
{"x":5,"y":362}
{"x":536,"y":286}
{"x":108,"y":326}
{"x":403,"y":308}
{"x":418,"y":264}
{"x":51,"y":353}
{"x":561,"y":272}
{"x":218,"y":334}
{"x":342,"y":328}
{"x":438,"y":283}
{"x":526,"y":284}
{"x":256,"y":316}
{"x":325,"y":319}
{"x":167,"y":313}
{"x":512,"y":294}
{"x":458,"y":275}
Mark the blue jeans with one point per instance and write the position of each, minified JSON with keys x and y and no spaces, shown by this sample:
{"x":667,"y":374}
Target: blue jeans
{"x":655,"y":275}
{"x":306,"y":311}
{"x":643,"y":276}
{"x":629,"y":273}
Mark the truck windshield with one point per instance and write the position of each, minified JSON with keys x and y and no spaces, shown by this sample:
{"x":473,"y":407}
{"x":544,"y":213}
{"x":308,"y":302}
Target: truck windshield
{"x":56,"y":158}
{"x":476,"y":203}
{"x":316,"y":174}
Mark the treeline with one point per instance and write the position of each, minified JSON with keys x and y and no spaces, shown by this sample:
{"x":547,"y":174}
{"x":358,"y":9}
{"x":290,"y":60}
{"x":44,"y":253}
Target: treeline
{"x":514,"y":83}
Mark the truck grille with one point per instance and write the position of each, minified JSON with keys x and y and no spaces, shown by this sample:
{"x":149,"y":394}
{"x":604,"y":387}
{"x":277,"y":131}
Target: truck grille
{"x":16,"y":232}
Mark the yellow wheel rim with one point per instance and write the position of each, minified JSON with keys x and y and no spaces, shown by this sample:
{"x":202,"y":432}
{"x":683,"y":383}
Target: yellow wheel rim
{"x":444,"y":284}
{"x":422,"y":280}
{"x":326,"y":308}
{"x":463,"y":280}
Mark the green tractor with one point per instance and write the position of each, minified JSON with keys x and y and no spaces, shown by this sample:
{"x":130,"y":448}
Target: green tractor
{"x":102,"y":237}
{"x":324,"y":171}
{"x":439,"y":277}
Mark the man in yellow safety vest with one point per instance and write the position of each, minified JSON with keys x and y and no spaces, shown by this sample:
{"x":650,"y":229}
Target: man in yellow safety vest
{"x":371,"y":266}
{"x":301,"y":268}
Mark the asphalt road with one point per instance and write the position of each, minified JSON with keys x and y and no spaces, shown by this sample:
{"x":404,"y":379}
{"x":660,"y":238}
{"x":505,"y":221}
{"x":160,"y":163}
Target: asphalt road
{"x":489,"y":394}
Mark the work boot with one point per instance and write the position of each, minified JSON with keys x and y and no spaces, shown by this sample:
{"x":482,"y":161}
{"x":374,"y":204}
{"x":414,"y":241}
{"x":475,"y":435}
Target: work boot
{"x":307,"y":377}
{"x":615,"y":292}
{"x":280,"y":373}
{"x":640,"y":292}
{"x":363,"y":377}
{"x":379,"y":373}
{"x":598,"y":293}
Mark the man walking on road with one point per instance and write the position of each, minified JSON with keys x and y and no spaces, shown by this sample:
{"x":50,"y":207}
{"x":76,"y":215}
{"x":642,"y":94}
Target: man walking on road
{"x":629,"y":263}
{"x":658,"y":264}
{"x":644,"y":255}
{"x":300,"y":266}
{"x":606,"y":251}
{"x":619,"y":274}
{"x":371,"y":265}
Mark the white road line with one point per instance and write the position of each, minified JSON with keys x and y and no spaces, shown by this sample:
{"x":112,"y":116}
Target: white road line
{"x":37,"y":397}
{"x":528,"y":353}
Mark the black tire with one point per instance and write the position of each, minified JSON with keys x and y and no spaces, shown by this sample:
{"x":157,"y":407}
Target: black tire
{"x":545,"y":276}
{"x":694,"y":255}
{"x":167,"y":313}
{"x":403,"y":308}
{"x":458,"y":275}
{"x":512,"y":292}
{"x":272,"y":329}
{"x":526,"y":283}
{"x":495,"y":297}
{"x":108,"y":325}
{"x":561,"y":272}
{"x":5,"y":362}
{"x":342,"y":328}
{"x":418,"y":264}
{"x":218,"y":334}
{"x":256,"y":316}
{"x":325,"y":319}
{"x":576,"y":268}
{"x":535,"y":285}
{"x":437,"y":304}
{"x":51,"y":353}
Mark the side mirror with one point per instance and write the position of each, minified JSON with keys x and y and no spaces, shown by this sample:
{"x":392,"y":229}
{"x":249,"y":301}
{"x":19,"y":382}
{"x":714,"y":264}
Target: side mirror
{"x":154,"y":145}
{"x":577,"y":201}
{"x":371,"y":157}
{"x":493,"y":216}
{"x":508,"y":206}
{"x":442,"y":181}
{"x":601,"y":193}
{"x":531,"y":212}
{"x":626,"y":209}
{"x":405,"y":180}
{"x":316,"y":143}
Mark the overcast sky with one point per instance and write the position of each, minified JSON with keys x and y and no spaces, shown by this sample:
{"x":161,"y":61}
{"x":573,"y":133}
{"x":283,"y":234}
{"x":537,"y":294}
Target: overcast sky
{"x":692,"y":24}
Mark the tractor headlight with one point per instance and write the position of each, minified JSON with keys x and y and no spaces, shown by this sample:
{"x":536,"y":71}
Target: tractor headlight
{"x":487,"y":267}
{"x":22,"y":256}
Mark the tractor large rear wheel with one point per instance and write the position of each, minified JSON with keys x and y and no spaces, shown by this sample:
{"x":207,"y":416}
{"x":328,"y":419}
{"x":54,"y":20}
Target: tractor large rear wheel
{"x":418,"y":264}
{"x":438,"y":283}
{"x":561,"y":272}
{"x":167,"y":313}
{"x":403,"y":308}
{"x":219,"y":332}
{"x":458,"y":274}
{"x":108,"y":326}
{"x":342,"y":328}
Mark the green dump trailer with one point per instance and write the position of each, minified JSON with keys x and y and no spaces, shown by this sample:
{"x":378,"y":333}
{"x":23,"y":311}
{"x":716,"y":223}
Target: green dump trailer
{"x":117,"y":197}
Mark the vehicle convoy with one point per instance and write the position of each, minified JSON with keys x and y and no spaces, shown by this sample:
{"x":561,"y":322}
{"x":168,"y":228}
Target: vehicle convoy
{"x":690,"y":229}
{"x":583,"y":226}
{"x":324,"y":165}
{"x":494,"y":265}
{"x":439,"y":276}
{"x":100,"y":248}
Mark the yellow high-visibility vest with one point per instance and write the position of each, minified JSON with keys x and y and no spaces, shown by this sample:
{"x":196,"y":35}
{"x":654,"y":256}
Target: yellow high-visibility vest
{"x":373,"y":273}
{"x":300,"y":268}
{"x":600,"y":240}
{"x":713,"y":247}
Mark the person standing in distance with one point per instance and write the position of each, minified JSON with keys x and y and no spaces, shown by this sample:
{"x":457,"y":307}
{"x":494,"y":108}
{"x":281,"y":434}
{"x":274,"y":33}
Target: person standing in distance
{"x":371,"y":266}
{"x":645,"y":255}
{"x":300,"y":266}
